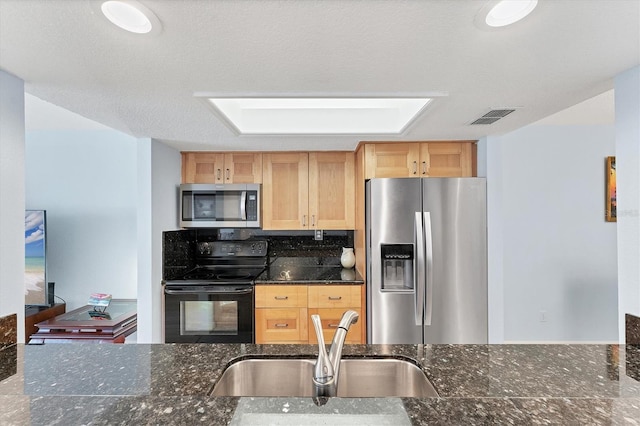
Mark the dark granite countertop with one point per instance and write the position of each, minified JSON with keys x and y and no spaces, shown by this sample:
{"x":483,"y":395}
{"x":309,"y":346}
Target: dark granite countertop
{"x":308,"y":270}
{"x":102,"y":384}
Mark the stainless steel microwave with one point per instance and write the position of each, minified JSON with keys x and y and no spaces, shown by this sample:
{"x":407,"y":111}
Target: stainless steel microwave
{"x":220,"y":205}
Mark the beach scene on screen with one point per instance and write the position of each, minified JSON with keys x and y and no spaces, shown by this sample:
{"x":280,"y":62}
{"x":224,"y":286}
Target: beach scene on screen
{"x":34,"y":265}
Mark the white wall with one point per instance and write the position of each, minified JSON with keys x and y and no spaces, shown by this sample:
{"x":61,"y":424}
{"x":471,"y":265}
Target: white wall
{"x":490,"y":166}
{"x":166,"y":177}
{"x":558,"y":255}
{"x":12,"y":198}
{"x":627,"y":101}
{"x":87,"y":182}
{"x":158,"y":178}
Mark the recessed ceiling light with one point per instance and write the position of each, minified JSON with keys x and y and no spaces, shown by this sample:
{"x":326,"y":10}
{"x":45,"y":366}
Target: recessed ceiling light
{"x":131,"y":16}
{"x":296,"y":116}
{"x":506,"y":12}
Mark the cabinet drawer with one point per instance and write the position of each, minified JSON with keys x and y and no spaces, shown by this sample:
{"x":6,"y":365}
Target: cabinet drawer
{"x":281,"y":325}
{"x":334,"y":296}
{"x":281,"y":296}
{"x":330,"y":319}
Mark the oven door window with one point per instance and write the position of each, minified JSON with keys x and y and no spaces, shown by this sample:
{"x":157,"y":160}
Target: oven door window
{"x":208,"y":317}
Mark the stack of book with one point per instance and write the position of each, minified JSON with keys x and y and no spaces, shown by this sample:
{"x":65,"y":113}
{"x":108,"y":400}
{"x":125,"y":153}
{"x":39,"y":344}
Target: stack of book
{"x":99,"y":301}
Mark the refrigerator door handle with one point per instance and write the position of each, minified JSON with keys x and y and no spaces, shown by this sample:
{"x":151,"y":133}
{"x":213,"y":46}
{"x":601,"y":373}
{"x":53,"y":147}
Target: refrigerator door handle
{"x":420,"y":271}
{"x":429,"y":265}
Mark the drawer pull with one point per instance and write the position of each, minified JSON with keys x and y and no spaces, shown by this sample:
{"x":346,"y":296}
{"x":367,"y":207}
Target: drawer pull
{"x":281,"y":325}
{"x":333,"y":325}
{"x":335,"y":297}
{"x":281,"y":297}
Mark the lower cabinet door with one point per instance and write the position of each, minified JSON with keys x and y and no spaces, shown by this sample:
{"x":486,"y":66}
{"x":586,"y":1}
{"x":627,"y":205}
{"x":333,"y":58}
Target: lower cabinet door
{"x":289,"y":325}
{"x":330,"y":318}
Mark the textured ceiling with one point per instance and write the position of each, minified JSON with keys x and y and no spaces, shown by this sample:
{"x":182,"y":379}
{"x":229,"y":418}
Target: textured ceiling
{"x":566,"y":51}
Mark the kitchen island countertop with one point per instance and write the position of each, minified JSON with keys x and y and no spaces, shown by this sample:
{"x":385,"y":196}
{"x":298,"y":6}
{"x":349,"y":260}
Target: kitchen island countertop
{"x":105,"y":384}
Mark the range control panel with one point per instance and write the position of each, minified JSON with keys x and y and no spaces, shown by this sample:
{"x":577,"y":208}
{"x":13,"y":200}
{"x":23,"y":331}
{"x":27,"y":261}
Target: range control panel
{"x":228,"y":248}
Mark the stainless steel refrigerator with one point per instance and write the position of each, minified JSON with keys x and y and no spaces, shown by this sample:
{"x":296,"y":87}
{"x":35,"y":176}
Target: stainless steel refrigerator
{"x":426,"y":260}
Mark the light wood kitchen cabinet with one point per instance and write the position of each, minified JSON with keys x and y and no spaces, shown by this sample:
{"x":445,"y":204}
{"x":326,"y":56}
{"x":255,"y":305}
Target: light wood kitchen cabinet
{"x":283,"y":312}
{"x":330,"y":302}
{"x":330,"y":318}
{"x":418,"y":159}
{"x":308,"y":190}
{"x":391,"y":160}
{"x":334,"y":296}
{"x":332,"y":190}
{"x":219,"y":167}
{"x":445,"y":159}
{"x":285,"y":196}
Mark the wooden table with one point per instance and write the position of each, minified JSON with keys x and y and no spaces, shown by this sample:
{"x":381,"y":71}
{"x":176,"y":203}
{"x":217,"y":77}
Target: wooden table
{"x":78,"y":325}
{"x":35,"y":314}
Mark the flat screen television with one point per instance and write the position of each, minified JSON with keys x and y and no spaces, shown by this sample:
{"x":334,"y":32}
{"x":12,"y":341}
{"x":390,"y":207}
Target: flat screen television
{"x":35,"y":260}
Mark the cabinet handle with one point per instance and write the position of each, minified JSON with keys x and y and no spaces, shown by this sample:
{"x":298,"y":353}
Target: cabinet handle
{"x":304,"y":220}
{"x":335,"y":297}
{"x":227,"y":174}
{"x":218,"y":173}
{"x":424,"y":167}
{"x":332,"y":325}
{"x":281,"y":297}
{"x":415,"y":167}
{"x":285,"y":325}
{"x":313,"y":220}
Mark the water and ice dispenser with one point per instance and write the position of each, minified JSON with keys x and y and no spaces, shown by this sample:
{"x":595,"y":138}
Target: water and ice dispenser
{"x":397,"y":267}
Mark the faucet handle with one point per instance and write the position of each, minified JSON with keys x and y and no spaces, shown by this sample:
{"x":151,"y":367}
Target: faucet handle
{"x":323,"y":370}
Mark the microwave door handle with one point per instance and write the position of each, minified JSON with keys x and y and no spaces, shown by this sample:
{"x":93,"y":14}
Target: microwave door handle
{"x":243,"y":205}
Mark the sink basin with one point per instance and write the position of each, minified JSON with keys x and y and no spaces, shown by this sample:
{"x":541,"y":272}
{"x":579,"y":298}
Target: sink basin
{"x":359,"y":378}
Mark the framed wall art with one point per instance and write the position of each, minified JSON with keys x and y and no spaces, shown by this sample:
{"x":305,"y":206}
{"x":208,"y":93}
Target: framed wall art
{"x":610,"y":212}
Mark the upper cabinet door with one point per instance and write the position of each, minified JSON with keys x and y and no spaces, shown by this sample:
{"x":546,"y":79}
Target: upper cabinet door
{"x":243,"y":167}
{"x":445,"y":159}
{"x":202,"y":167}
{"x":391,"y":160}
{"x":218,"y":167}
{"x":285,"y":190}
{"x":332,"y":190}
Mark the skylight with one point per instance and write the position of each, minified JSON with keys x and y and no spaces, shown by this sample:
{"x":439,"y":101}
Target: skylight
{"x":296,"y":116}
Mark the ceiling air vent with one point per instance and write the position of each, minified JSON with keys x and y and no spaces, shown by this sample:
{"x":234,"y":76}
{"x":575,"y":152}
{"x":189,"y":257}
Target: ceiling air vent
{"x":493,"y":116}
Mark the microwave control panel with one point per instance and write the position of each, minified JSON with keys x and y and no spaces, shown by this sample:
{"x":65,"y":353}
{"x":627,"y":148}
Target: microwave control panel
{"x":252,"y":205}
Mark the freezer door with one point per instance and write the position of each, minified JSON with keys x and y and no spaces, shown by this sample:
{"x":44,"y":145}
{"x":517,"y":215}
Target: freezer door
{"x":456,"y":228}
{"x":394,"y":314}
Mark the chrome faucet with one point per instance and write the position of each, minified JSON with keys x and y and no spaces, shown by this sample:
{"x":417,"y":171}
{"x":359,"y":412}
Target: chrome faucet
{"x":327,"y":367}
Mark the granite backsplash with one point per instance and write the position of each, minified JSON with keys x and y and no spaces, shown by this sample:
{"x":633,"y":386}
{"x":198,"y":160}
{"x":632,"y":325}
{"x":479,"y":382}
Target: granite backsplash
{"x":179,"y":247}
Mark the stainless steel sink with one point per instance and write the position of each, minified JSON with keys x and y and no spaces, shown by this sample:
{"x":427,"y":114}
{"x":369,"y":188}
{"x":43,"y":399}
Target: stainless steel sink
{"x":359,"y":378}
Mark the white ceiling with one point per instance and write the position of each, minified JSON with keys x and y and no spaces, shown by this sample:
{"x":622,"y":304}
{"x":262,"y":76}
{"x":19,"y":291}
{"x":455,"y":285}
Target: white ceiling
{"x":565,"y":52}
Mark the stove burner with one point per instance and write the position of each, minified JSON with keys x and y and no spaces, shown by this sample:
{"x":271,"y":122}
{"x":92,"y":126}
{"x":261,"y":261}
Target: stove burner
{"x":200,"y":274}
{"x":214,"y":275}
